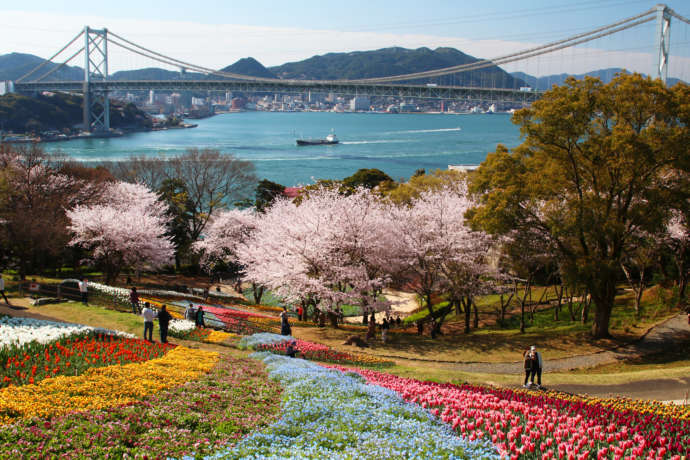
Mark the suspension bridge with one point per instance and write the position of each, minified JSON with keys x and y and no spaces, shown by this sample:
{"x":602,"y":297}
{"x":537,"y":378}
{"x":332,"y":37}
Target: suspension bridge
{"x":97,"y":85}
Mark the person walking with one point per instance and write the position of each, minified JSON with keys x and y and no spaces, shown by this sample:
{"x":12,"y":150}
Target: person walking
{"x":83,"y":290}
{"x":148,"y":315}
{"x":163,"y":321}
{"x":2,"y":289}
{"x":134,"y":300}
{"x":385,"y":325}
{"x":200,"y":317}
{"x":527,"y":357}
{"x":189,"y":312}
{"x":536,"y":366}
{"x":371,"y":329}
{"x":284,"y":323}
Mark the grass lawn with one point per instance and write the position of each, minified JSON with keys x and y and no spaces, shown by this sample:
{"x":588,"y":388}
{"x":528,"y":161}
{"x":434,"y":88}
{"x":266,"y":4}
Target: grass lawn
{"x":440,"y":372}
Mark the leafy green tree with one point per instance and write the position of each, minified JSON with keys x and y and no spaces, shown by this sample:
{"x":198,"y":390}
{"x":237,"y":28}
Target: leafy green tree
{"x":174,"y":193}
{"x":266,"y":193}
{"x":593,"y":170}
{"x":368,"y":178}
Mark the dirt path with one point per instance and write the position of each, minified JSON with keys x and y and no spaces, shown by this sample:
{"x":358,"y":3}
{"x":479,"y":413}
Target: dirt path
{"x":404,"y":303}
{"x":667,"y":334}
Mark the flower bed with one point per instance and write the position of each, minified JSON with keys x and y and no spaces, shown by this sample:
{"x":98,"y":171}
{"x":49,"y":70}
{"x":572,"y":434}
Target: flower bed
{"x":103,"y":387}
{"x":327,"y":414}
{"x":525,"y":424}
{"x":32,"y":362}
{"x":201,"y":416}
{"x":19,"y":331}
{"x":313,"y":351}
{"x":187,"y":330}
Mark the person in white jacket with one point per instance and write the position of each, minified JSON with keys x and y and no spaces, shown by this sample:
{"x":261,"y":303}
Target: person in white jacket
{"x":148,"y":315}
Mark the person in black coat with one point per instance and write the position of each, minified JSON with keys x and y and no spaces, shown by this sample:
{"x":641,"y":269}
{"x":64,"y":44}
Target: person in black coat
{"x":163,"y":321}
{"x":200,"y":317}
{"x":285,"y":328}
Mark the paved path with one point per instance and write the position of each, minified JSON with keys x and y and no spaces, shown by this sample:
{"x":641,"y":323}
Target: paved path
{"x":667,"y":334}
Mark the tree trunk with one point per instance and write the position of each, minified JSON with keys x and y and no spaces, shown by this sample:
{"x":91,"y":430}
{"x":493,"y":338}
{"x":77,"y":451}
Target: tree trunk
{"x":603,"y":296}
{"x":257,"y":292}
{"x":333,"y":318}
{"x":466,"y":307}
{"x":586,"y":302}
{"x":476,"y":314}
{"x":504,"y":307}
{"x":559,"y":296}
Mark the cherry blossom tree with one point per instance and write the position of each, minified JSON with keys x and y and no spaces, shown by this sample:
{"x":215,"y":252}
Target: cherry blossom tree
{"x":328,"y":250}
{"x":222,"y":236}
{"x":35,"y":189}
{"x":441,"y":253}
{"x":125,"y":230}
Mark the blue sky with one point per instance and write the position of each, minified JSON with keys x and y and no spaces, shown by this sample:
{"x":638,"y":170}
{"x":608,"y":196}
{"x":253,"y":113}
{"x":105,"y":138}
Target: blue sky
{"x":217,"y":33}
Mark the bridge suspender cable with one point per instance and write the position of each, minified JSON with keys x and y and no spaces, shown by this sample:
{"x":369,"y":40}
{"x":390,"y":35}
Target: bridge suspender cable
{"x":55,"y":69}
{"x":52,"y":57}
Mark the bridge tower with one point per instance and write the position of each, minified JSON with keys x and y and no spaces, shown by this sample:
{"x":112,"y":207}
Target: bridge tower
{"x":663,"y":41}
{"x":96,"y":103}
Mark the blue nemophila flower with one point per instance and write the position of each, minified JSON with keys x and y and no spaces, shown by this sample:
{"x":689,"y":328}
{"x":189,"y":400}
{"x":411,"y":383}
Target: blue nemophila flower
{"x":264,"y":338}
{"x":330,"y":414}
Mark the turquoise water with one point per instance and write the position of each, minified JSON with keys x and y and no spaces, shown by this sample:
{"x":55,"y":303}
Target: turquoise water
{"x":397,"y":144}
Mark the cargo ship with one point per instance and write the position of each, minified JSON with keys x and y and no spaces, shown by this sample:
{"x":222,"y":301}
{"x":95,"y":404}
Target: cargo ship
{"x":329,"y":140}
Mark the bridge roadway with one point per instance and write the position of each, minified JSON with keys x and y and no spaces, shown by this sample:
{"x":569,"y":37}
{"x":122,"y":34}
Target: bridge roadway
{"x":293,"y":86}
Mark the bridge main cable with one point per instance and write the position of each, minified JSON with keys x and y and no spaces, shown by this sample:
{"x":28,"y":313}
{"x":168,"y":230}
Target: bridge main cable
{"x":19,"y":80}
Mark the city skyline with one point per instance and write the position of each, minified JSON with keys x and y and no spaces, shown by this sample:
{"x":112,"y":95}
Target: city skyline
{"x":217,"y":34}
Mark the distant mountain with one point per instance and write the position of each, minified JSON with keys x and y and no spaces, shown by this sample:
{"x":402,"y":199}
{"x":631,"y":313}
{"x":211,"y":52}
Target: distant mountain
{"x":395,"y":61}
{"x":15,"y":65}
{"x":544,"y":83}
{"x":251,"y":67}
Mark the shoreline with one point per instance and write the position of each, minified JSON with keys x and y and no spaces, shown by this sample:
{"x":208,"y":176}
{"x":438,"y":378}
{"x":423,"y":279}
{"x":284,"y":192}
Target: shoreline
{"x":114,"y":133}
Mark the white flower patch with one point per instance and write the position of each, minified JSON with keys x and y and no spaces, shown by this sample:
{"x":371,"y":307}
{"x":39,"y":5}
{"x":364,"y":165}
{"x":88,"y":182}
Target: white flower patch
{"x":18,"y":331}
{"x":181,"y":326}
{"x":119,"y":294}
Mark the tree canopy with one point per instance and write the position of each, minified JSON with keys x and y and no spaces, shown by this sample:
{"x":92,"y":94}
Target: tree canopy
{"x":596,"y":167}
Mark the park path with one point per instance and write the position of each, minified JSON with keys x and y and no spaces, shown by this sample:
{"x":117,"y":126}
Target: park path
{"x":669,"y":333}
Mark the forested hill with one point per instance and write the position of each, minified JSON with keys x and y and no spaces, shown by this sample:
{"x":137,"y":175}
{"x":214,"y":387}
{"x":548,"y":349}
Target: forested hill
{"x":16,"y":65}
{"x":249,"y":66}
{"x":58,"y":111}
{"x":395,"y":61}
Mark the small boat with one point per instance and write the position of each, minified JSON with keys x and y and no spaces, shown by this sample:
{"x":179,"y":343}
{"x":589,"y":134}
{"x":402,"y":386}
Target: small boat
{"x":329,"y":140}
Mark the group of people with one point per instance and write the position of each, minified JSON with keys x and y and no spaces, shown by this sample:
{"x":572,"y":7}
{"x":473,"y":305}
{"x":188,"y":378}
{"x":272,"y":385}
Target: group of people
{"x":195,"y":314}
{"x":533,"y":366}
{"x":385,"y":326}
{"x":164,"y":318}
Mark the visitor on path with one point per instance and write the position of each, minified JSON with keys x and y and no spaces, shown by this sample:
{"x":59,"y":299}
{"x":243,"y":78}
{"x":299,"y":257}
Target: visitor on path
{"x":189,"y":312}
{"x":371,"y":330}
{"x":148,"y":315}
{"x":163,"y":321}
{"x":284,"y":324}
{"x":527,"y":357}
{"x":134,"y":300}
{"x":536,"y":366}
{"x":2,"y":289}
{"x":385,"y":325}
{"x":83,"y":290}
{"x":200,"y":318}
{"x":206,"y":293}
{"x":300,"y":313}
{"x":291,"y":349}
